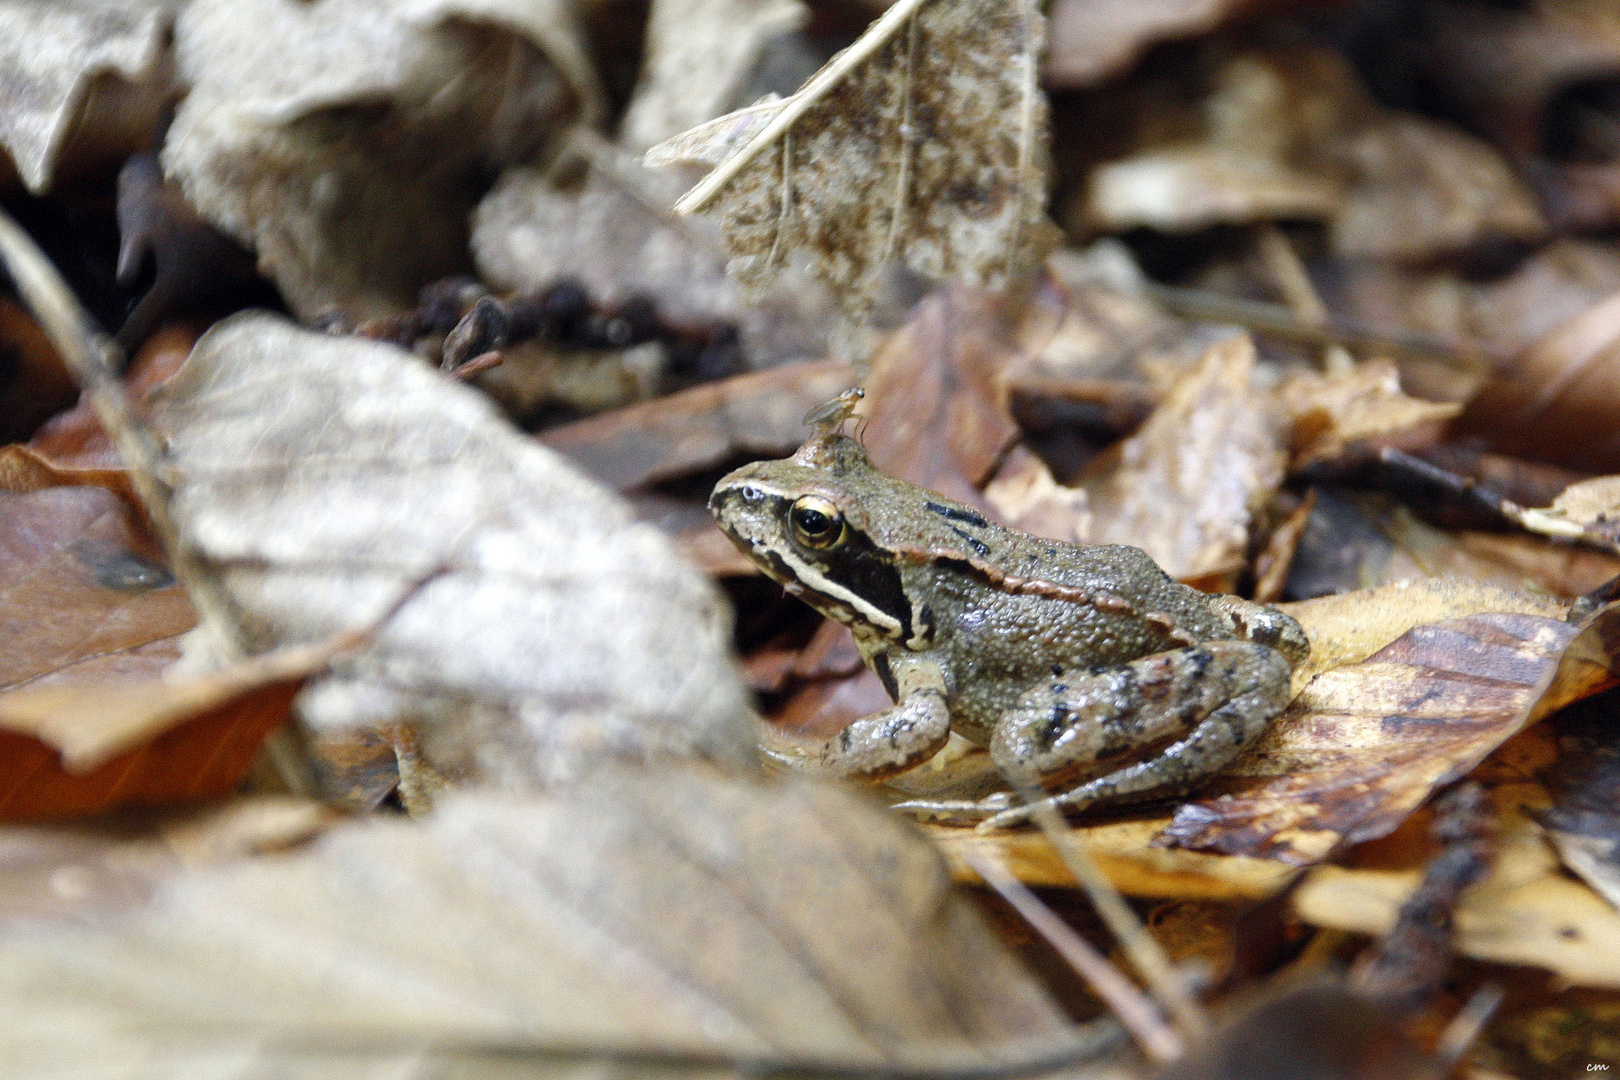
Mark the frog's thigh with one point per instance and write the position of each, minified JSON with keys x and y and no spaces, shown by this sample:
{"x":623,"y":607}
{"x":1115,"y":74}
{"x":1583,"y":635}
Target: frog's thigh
{"x":900,"y":738}
{"x":1155,"y":725}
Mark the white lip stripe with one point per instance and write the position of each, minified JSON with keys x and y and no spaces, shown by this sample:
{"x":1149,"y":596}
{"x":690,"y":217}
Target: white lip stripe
{"x":820,"y":583}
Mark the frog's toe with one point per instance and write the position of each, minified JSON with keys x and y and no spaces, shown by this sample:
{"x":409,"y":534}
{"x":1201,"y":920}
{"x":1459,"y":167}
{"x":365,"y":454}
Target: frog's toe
{"x":957,"y":810}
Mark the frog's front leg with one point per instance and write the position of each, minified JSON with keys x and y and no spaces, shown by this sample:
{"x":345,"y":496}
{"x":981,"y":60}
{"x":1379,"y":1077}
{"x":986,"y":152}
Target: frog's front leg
{"x":895,"y":740}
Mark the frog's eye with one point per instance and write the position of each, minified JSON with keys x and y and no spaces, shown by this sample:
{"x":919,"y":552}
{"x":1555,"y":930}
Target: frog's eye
{"x":817,"y":523}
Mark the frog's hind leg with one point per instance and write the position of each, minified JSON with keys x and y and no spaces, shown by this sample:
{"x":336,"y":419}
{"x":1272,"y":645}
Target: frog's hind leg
{"x":1178,"y":717}
{"x":1151,"y":728}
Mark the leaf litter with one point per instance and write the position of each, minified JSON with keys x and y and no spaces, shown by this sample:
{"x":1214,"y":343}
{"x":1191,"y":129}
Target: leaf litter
{"x":1387,"y":264}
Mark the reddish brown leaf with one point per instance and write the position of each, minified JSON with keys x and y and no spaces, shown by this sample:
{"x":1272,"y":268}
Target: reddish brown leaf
{"x":1365,"y":744}
{"x":758,"y":413}
{"x":936,"y":410}
{"x":81,"y":588}
{"x":37,"y":383}
{"x":202,"y":759}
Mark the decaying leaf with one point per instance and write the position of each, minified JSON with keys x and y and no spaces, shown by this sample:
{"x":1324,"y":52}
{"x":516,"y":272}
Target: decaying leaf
{"x":84,"y":593}
{"x":81,"y":83}
{"x":922,"y":145}
{"x":37,"y":383}
{"x":326,"y":476}
{"x":1363,"y":745}
{"x":675,"y":919}
{"x":1524,"y":912}
{"x":345,"y":141}
{"x":1583,"y":821}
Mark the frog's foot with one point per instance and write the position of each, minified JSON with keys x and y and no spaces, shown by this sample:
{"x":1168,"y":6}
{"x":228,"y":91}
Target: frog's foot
{"x":958,"y":810}
{"x":1182,"y":715}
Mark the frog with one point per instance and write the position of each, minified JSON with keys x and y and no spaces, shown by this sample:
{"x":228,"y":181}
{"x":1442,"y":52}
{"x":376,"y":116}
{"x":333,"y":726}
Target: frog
{"x":1093,"y":677}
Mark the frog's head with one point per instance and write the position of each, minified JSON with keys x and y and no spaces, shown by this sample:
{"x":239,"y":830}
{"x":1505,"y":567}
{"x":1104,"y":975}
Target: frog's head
{"x":808,"y":522}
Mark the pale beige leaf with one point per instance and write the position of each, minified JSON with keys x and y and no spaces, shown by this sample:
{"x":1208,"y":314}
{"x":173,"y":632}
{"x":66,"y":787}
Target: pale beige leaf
{"x":325,"y":476}
{"x":678,"y":918}
{"x":923,"y":144}
{"x":699,"y":55}
{"x":345,"y":141}
{"x":1525,"y":912}
{"x":81,"y":83}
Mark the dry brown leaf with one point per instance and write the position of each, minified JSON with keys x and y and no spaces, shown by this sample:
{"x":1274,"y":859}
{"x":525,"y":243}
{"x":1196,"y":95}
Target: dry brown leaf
{"x":1185,"y":489}
{"x":1332,"y":412}
{"x":678,"y":919}
{"x":936,"y":407}
{"x":1363,"y":745}
{"x":71,"y":447}
{"x":1524,"y":912}
{"x":90,"y":723}
{"x":1289,"y":133}
{"x":923,"y":145}
{"x":84,"y":593}
{"x":82,"y":84}
{"x":1349,"y":627}
{"x":1557,"y":401}
{"x":187,"y":751}
{"x":345,"y":141}
{"x":326,"y":476}
{"x":760,"y":414}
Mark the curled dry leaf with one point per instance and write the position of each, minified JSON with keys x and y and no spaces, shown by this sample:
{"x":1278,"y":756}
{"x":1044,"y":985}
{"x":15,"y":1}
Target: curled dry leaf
{"x":326,"y":476}
{"x":81,"y":83}
{"x":1557,"y":400}
{"x":1185,"y":488}
{"x":923,"y":145}
{"x":1331,"y":412}
{"x":1363,"y":745}
{"x":1524,"y":912}
{"x":344,"y":141}
{"x":676,"y":919}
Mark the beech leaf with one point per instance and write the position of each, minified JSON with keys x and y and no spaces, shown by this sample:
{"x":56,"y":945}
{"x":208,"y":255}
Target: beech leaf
{"x":922,"y":144}
{"x":673,"y":917}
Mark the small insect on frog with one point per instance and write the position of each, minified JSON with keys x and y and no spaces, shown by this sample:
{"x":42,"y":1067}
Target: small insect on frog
{"x":1086,"y":669}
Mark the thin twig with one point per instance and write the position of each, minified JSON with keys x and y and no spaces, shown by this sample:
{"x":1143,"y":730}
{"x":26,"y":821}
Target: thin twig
{"x":95,"y":359}
{"x":875,"y":38}
{"x":1278,"y":321}
{"x":1294,"y":282}
{"x":1143,"y":951}
{"x":1129,"y":1004}
{"x":1465,"y":1027}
